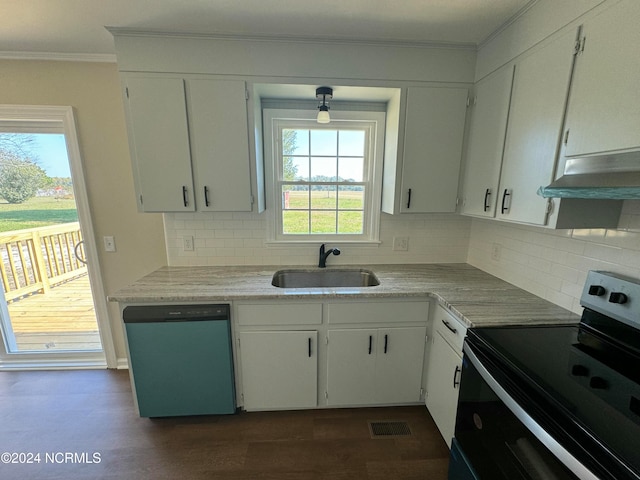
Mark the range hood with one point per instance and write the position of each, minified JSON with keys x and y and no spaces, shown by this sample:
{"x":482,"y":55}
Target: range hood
{"x":612,"y":176}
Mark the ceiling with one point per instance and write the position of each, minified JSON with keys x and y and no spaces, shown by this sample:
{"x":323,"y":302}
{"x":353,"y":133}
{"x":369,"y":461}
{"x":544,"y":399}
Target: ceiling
{"x":69,"y":27}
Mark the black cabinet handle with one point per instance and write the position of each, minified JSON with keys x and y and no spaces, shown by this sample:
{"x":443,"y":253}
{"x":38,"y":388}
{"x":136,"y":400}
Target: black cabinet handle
{"x":455,"y":376}
{"x":487,"y":194}
{"x":206,"y":196}
{"x":309,"y":347}
{"x":409,"y":199}
{"x":185,"y":196}
{"x":386,"y":343}
{"x":505,"y":194}
{"x":598,"y":383}
{"x":370,"y":343}
{"x":448,"y":325}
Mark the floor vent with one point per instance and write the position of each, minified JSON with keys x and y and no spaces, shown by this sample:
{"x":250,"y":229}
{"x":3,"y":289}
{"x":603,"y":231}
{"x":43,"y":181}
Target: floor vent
{"x":389,"y":429}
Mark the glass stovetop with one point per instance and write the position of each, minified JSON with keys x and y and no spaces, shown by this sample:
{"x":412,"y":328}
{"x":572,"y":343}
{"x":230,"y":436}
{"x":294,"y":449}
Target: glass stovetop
{"x":577,"y":389}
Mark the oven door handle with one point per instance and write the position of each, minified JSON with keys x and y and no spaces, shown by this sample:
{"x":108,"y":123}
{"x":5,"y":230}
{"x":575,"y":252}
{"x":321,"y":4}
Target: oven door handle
{"x":540,"y":433}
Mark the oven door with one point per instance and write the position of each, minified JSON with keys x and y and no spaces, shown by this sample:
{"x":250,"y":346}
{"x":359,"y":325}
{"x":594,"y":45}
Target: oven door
{"x":496,"y":438}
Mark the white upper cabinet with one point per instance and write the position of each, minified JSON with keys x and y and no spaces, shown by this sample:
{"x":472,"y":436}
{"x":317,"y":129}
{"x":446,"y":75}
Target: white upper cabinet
{"x":185,"y":134}
{"x":485,"y":143}
{"x":604,"y":108}
{"x":538,"y":102}
{"x":433,"y":137}
{"x":159,"y":143}
{"x":220,"y":145}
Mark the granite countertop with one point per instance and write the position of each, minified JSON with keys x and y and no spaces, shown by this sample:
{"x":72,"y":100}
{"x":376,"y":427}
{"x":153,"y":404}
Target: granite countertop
{"x":476,"y":297}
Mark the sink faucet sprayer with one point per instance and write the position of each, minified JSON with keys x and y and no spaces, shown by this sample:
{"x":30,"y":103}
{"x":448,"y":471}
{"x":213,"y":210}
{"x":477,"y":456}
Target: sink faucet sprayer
{"x":323,"y":256}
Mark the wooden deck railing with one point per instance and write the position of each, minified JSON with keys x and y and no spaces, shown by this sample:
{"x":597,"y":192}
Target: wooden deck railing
{"x":34,"y":259}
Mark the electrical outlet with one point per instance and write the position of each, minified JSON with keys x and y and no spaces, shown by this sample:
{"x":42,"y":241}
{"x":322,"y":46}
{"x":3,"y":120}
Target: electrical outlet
{"x":400,"y":244}
{"x":496,"y":251}
{"x":187,"y":243}
{"x":109,"y":244}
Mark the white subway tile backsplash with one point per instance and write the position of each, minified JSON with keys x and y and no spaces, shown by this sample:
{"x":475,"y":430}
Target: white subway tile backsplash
{"x":553,"y":264}
{"x":240,"y":238}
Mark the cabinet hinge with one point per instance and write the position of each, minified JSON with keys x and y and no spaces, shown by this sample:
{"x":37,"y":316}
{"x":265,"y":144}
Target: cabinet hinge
{"x":549,"y":205}
{"x":246,"y":94}
{"x":326,"y":340}
{"x":141,"y":202}
{"x":566,"y":137}
{"x":326,"y":395}
{"x":468,"y":101}
{"x":251,"y":199}
{"x":422,"y":395}
{"x":579,"y":46}
{"x":126,"y":91}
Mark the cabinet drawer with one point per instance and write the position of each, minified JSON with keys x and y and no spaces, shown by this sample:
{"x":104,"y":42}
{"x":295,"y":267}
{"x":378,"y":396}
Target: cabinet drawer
{"x":383,"y":312}
{"x":280,"y":314}
{"x":451,"y":329}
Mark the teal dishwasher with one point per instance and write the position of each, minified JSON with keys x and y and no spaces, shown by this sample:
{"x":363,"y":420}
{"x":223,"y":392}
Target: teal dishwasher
{"x":181,"y":361}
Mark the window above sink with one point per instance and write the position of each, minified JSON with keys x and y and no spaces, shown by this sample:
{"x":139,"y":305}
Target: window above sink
{"x":323,"y":181}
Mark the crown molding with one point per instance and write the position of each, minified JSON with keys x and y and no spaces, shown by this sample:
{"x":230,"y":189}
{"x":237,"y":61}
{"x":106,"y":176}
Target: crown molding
{"x":510,"y":21}
{"x":133,"y":32}
{"x":59,"y":57}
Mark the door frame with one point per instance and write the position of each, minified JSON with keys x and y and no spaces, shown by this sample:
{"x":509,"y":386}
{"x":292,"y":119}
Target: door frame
{"x":61,"y":119}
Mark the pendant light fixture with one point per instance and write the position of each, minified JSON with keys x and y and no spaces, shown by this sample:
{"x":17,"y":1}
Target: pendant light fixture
{"x":324,"y":94}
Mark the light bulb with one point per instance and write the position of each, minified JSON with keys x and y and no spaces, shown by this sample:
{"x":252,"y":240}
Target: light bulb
{"x":323,"y":115}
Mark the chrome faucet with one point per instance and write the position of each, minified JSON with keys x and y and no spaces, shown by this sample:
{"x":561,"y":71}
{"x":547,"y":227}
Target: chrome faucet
{"x":323,"y":255}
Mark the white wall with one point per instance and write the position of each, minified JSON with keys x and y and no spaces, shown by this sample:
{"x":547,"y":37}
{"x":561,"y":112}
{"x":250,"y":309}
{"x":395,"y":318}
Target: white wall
{"x":93,"y":90}
{"x":239,"y":239}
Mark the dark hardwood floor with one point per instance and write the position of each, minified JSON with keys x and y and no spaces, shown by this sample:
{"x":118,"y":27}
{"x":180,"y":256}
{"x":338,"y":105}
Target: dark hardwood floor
{"x":82,"y":424}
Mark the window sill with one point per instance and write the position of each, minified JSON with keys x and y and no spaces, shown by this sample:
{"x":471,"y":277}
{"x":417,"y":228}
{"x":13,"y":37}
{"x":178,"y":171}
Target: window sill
{"x":277,"y":243}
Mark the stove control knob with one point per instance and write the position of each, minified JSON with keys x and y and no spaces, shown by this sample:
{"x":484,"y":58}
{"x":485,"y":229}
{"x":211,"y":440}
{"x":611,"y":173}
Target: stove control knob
{"x":618,"y":297}
{"x":579,"y":371}
{"x":598,"y":383}
{"x":596,"y":290}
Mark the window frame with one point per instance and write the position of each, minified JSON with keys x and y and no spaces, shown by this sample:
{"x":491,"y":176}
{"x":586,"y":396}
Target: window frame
{"x":274,"y":121}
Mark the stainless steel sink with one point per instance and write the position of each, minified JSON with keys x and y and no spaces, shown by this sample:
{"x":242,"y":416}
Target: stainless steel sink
{"x":324,"y":278}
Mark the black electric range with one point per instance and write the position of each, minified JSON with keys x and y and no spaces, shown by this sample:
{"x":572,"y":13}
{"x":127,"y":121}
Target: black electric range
{"x":580,"y":384}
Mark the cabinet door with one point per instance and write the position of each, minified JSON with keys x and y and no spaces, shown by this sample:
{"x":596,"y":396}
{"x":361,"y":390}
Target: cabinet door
{"x":604,"y":109}
{"x":220,"y":144}
{"x":279,"y":369}
{"x":442,"y":386}
{"x":399,"y":362}
{"x":538,"y":102}
{"x":485,"y":143}
{"x":433,"y":139}
{"x":159,"y":139}
{"x":351,"y":366}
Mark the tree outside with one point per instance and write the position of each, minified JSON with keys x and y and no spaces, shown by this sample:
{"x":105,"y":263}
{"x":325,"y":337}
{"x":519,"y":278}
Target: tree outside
{"x":35,"y":183}
{"x":20,"y":175}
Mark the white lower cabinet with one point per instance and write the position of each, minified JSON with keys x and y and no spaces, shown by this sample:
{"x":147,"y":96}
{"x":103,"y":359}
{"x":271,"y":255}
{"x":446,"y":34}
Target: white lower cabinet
{"x":279,"y":369}
{"x":375,"y":366}
{"x":442,"y":386}
{"x":445,"y":366}
{"x":304,"y":354}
